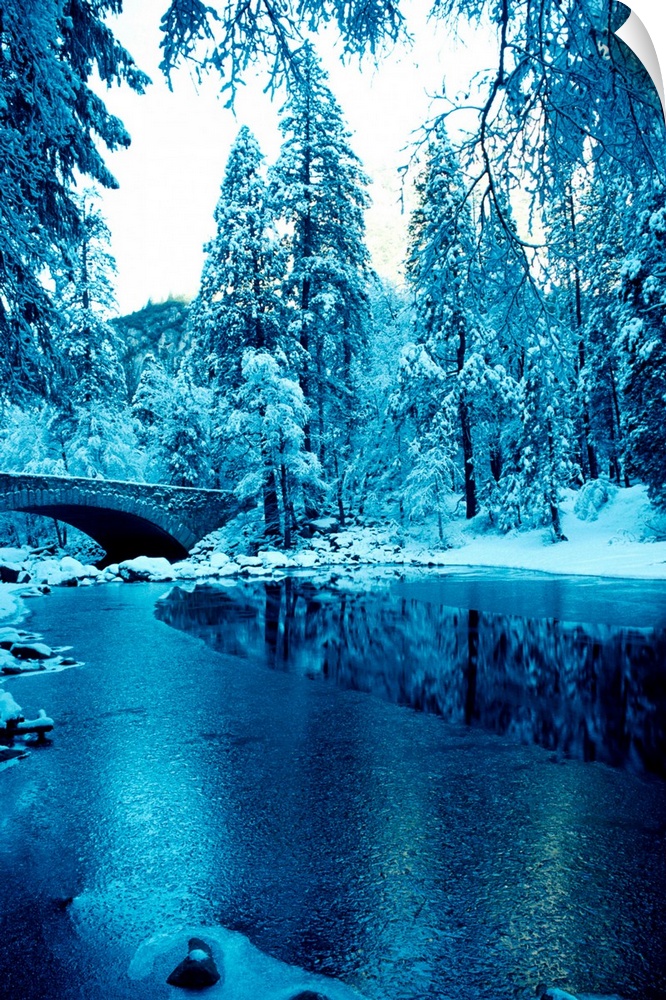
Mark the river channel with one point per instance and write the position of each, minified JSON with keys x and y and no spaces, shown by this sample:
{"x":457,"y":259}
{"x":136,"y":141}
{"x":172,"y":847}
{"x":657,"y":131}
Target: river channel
{"x":448,"y":788}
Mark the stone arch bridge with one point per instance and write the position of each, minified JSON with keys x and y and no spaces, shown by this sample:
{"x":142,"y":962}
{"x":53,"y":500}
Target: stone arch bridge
{"x":126,"y":519}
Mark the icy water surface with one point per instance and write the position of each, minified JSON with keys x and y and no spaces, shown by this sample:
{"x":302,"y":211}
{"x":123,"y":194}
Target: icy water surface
{"x":271,"y":788}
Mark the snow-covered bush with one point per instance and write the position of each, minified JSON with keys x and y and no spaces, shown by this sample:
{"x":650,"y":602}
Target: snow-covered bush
{"x":592,"y":497}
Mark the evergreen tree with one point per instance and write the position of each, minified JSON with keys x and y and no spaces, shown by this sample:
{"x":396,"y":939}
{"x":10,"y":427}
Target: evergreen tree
{"x":643,"y":344}
{"x":239,"y":306}
{"x":270,"y":415}
{"x":233,"y":36}
{"x":545,"y":465}
{"x":440,"y":269}
{"x":150,"y":402}
{"x":173,"y":418}
{"x":51,"y":124}
{"x":319,"y":190}
{"x":94,"y":430}
{"x":88,"y":343}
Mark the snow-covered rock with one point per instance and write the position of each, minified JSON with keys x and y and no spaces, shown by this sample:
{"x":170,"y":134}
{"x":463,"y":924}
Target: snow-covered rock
{"x":146,"y":568}
{"x":273,"y":559}
{"x":198,"y":969}
{"x":71,"y":567}
{"x":325,"y":525}
{"x":14,"y":555}
{"x":246,"y":561}
{"x":47,"y":571}
{"x":31,"y":651}
{"x":9,"y":635}
{"x":219,"y":559}
{"x":305,"y":559}
{"x":9,"y":710}
{"x":230,"y":569}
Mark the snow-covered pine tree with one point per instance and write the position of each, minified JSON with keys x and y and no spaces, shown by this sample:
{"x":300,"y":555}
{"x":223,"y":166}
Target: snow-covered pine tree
{"x":318,"y":189}
{"x":239,"y":303}
{"x":94,"y":429}
{"x":546,"y":447}
{"x":151,"y":400}
{"x":642,"y":341}
{"x":51,"y":124}
{"x":173,"y":417}
{"x":88,"y":343}
{"x":270,"y":416}
{"x":440,"y":269}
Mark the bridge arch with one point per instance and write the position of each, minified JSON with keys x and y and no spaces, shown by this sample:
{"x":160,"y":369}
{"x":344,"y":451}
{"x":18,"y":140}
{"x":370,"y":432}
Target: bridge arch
{"x":126,"y":519}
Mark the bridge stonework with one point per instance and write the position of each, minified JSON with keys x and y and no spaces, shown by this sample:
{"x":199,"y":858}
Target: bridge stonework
{"x":126,"y":519}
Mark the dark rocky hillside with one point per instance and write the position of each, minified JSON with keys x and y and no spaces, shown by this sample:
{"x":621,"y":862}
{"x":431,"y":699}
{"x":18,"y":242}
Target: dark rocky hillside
{"x":159,"y":329}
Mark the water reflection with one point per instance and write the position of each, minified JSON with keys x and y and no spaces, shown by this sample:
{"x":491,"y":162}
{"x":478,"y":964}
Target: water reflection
{"x":589,"y":691}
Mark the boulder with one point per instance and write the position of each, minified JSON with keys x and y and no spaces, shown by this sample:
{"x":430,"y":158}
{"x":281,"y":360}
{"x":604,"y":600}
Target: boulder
{"x":273,"y":559}
{"x":146,"y":568}
{"x":9,"y":572}
{"x":309,"y":995}
{"x":218,"y":559}
{"x":198,"y":970}
{"x":325,"y":525}
{"x":47,"y":571}
{"x":9,"y":710}
{"x":246,"y":561}
{"x":13,"y":555}
{"x":31,"y":651}
{"x":8,"y":636}
{"x":305,"y":560}
{"x":71,"y":567}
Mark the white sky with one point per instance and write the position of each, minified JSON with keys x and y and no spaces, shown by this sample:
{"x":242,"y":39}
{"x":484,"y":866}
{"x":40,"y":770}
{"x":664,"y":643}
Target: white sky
{"x":170,"y":177}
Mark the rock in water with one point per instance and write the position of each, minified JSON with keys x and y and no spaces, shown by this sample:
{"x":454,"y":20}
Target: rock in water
{"x":198,"y":970}
{"x":31,"y":651}
{"x":308,"y":995}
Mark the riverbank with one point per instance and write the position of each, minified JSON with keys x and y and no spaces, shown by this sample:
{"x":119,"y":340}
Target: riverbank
{"x":619,"y":535}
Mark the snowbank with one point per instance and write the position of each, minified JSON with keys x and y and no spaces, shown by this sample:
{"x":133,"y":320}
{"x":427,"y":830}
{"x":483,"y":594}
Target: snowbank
{"x":624,"y":537}
{"x":9,"y":601}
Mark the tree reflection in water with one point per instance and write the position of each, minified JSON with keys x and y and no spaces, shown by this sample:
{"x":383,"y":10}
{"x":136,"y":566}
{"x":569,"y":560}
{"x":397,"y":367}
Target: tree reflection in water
{"x":588,"y":691}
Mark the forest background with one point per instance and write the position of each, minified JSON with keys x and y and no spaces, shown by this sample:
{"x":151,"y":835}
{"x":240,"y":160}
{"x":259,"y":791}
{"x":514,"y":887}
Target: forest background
{"x":521,"y":356}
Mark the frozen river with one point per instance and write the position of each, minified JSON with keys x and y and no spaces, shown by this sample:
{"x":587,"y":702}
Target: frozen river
{"x":247,"y":764}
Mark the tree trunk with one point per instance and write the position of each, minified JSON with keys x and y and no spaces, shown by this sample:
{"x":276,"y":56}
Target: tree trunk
{"x":590,"y":454}
{"x":621,"y":472}
{"x":440,"y":526}
{"x":306,"y":254}
{"x":551,"y":496}
{"x":61,"y":533}
{"x":286,"y":505}
{"x":338,"y":489}
{"x":471,"y":507}
{"x":271,"y":509}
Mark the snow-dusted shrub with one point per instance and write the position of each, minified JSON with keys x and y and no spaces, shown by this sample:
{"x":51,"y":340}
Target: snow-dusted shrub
{"x":594,"y":495}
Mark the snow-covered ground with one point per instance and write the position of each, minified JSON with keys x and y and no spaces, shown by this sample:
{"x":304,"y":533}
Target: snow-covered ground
{"x":626,"y":537}
{"x":10,"y":606}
